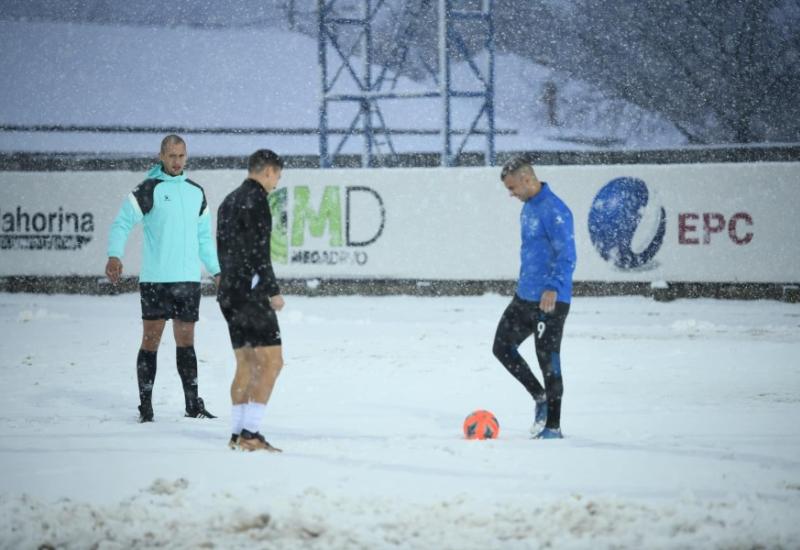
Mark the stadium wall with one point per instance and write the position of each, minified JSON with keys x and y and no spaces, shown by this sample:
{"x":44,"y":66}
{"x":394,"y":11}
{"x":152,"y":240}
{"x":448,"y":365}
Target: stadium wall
{"x":701,"y":229}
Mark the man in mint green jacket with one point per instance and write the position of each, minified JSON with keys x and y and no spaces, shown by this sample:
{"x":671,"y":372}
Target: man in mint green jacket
{"x":177,"y":238}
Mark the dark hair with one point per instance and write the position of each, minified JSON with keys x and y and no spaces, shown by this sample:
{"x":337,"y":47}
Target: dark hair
{"x":263,"y":158}
{"x":172,"y":139}
{"x":513,"y":164}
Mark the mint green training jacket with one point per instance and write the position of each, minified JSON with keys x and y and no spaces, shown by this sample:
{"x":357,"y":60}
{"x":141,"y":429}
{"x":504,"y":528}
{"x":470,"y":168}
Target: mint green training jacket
{"x":177,"y":228}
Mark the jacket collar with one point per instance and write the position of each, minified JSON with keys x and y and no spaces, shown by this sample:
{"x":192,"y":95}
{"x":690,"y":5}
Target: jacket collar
{"x":253,"y":183}
{"x":540,"y":196}
{"x":157,"y":172}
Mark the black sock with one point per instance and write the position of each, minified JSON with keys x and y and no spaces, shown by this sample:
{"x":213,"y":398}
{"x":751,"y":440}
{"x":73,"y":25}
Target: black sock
{"x":146,"y":374}
{"x":187,"y":369}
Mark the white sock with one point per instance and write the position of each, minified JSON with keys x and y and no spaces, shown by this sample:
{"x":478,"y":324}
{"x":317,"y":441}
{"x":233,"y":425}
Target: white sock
{"x":237,"y":418}
{"x":253,"y":415}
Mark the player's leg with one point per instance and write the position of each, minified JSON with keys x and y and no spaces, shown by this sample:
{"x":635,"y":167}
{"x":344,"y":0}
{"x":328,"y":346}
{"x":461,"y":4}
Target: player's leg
{"x":515,"y":326}
{"x":152,"y":330}
{"x":548,"y":333}
{"x":241,"y":378}
{"x":153,"y":322}
{"x":146,"y":363}
{"x":245,"y":359}
{"x":186,"y":361}
{"x":245,"y":364}
{"x":264,"y":372}
{"x":185,"y":311}
{"x":269,"y":363}
{"x":265,"y":338}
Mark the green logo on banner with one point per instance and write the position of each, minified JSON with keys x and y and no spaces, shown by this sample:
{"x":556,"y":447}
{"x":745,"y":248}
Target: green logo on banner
{"x":329,"y":219}
{"x":329,"y":215}
{"x":279,"y":245}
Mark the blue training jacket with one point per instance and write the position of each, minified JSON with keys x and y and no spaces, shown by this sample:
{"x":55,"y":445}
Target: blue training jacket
{"x":547,"y":255}
{"x":177,"y":228}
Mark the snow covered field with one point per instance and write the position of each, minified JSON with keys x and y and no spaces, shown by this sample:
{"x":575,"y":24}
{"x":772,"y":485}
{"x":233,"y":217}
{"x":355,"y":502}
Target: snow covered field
{"x":681,"y":421}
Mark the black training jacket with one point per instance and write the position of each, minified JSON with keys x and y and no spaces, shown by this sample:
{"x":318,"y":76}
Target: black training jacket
{"x":244,"y":226}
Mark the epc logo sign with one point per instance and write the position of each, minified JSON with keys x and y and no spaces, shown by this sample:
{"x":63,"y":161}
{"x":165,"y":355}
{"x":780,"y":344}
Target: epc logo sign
{"x":348,"y":219}
{"x":628,"y":224}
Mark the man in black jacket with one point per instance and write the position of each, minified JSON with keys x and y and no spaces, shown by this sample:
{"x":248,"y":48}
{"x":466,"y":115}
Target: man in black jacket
{"x":249,"y":297}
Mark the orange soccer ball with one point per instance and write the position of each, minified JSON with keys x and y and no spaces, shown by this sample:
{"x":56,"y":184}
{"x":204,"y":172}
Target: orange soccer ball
{"x":481,"y":425}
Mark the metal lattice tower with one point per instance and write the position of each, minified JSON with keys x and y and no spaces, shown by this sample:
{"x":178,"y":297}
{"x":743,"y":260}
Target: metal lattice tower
{"x":355,"y":86}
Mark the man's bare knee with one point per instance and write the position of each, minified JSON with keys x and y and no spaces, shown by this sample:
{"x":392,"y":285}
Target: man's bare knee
{"x":151,"y":334}
{"x":183,"y":331}
{"x":271,"y":359}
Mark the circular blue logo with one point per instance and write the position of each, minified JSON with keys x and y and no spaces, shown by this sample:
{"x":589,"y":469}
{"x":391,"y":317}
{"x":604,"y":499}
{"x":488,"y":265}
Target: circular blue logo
{"x":626,"y":225}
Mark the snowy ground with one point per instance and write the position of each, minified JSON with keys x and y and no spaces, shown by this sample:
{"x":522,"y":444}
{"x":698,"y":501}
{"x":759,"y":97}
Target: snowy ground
{"x":681,"y":422}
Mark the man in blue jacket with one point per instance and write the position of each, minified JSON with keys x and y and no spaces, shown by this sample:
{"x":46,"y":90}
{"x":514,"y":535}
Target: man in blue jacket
{"x":544,"y":290}
{"x":177,"y":236}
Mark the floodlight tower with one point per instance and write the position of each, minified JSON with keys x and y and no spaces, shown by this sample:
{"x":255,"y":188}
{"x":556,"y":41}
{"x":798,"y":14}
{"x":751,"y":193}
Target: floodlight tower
{"x":353,"y":84}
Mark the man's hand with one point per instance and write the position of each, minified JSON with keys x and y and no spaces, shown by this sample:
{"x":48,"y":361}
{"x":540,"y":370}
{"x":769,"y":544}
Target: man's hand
{"x":114,"y":269}
{"x":547,"y":303}
{"x":276,"y":302}
{"x":216,"y":280}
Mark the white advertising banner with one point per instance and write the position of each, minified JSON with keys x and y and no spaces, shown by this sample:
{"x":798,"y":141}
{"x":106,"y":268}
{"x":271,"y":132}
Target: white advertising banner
{"x":679,"y":223}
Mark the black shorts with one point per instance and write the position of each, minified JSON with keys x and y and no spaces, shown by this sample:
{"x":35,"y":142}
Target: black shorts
{"x":523,"y":318}
{"x":179,"y":301}
{"x":252,"y":324}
